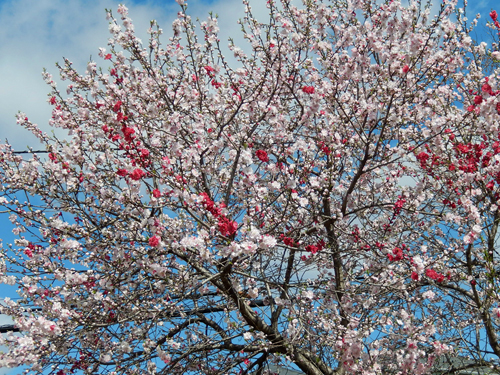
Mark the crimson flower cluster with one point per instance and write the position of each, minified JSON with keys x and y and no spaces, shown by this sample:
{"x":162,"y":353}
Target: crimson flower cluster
{"x":226,"y":226}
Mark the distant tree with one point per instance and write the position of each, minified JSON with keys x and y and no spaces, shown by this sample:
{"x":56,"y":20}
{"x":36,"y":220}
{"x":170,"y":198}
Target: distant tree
{"x":330,"y":200}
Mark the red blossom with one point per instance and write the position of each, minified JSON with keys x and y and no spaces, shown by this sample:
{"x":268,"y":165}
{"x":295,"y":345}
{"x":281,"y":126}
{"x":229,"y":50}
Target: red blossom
{"x":156,"y":193}
{"x":487,"y":89}
{"x":288,"y":241}
{"x":210,"y":205}
{"x":399,"y":205}
{"x":262,"y":156}
{"x":312,"y":249}
{"x":325,"y":148}
{"x":210,"y":71}
{"x":493,"y":15}
{"x":422,"y":158}
{"x":216,"y":84}
{"x":406,"y":68}
{"x":120,"y":117}
{"x":122,"y":172}
{"x":117,"y":106}
{"x":108,"y":56}
{"x":478,"y":99}
{"x":432,"y":274}
{"x":154,"y":241}
{"x":397,"y":254}
{"x":127,"y":133}
{"x":137,"y":174}
{"x":227,"y":227}
{"x":308,"y":89}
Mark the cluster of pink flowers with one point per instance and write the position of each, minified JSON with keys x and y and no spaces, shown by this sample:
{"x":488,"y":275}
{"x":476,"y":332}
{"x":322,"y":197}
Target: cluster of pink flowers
{"x":31,"y":248}
{"x":436,"y":276}
{"x":226,"y":226}
{"x":313,"y":249}
{"x":325,"y":148}
{"x":494,"y":17}
{"x":398,"y":206}
{"x":397,"y":254}
{"x":478,"y":99}
{"x":154,"y":241}
{"x":135,"y":175}
{"x":288,"y":240}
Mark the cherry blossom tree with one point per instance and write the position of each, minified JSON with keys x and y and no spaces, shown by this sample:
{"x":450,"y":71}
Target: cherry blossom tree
{"x":328,"y":199}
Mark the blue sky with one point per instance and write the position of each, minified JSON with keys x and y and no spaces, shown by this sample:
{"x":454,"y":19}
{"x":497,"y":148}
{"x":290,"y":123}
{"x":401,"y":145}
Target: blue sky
{"x":37,"y":33}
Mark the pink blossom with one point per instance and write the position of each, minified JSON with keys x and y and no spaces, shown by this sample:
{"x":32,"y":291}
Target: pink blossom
{"x":154,"y":241}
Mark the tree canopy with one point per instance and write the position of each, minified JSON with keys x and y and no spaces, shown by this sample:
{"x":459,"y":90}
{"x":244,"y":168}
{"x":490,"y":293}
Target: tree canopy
{"x":327,"y":197}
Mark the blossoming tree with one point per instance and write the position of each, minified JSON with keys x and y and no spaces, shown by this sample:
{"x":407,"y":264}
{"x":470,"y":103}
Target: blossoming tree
{"x":327,"y":198}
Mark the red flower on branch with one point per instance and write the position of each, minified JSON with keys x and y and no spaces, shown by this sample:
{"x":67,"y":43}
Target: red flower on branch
{"x":262,"y":156}
{"x":137,"y":174}
{"x":308,"y":89}
{"x":117,"y":106}
{"x":154,"y":241}
{"x":227,"y":227}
